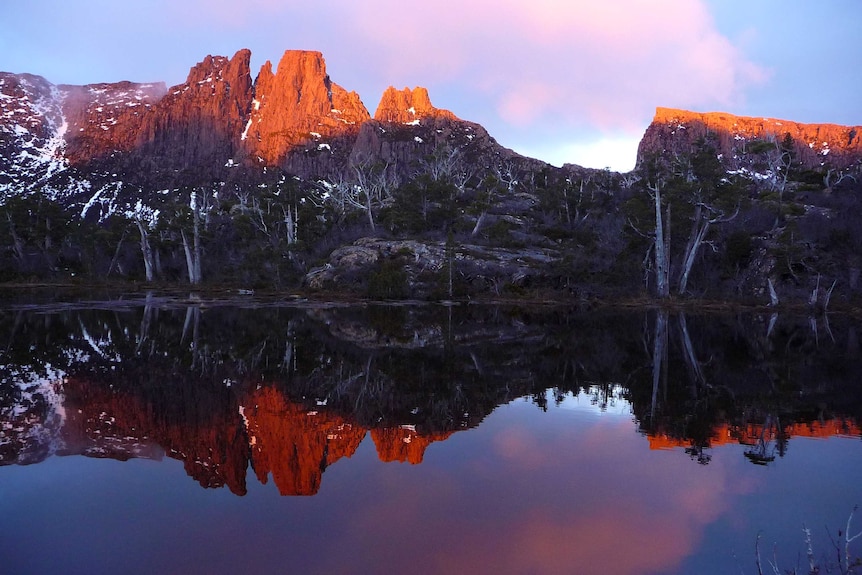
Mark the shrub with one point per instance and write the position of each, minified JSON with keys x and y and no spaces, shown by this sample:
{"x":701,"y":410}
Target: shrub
{"x":388,"y":281}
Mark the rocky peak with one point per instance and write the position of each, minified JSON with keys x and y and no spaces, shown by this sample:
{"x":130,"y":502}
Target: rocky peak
{"x":298,"y":106}
{"x":815,"y":145}
{"x":221,"y":68}
{"x":195,"y":126}
{"x":408,"y":107}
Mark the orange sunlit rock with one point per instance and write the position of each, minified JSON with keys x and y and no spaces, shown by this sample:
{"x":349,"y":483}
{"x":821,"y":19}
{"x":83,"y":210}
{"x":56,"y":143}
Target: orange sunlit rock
{"x":815,"y":145}
{"x":294,"y":444}
{"x":751,"y":434}
{"x":197,"y":122}
{"x":404,"y":443}
{"x":103,"y":118}
{"x":298,"y":105}
{"x":407,"y":106}
{"x":103,"y":423}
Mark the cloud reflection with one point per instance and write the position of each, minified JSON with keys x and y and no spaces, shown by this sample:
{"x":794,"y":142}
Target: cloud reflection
{"x":599,"y":501}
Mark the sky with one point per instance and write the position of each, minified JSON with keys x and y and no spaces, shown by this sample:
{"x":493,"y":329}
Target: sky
{"x":565,"y":81}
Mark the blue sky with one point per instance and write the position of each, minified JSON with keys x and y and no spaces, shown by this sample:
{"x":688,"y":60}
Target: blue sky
{"x":564,"y":81}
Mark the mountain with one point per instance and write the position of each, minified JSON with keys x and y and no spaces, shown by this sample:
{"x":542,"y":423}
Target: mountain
{"x":813,"y":146}
{"x":285,"y":180}
{"x":77,"y":143}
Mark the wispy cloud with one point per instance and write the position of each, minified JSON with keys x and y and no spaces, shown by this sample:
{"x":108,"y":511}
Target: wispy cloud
{"x":597,"y":63}
{"x":602,"y":64}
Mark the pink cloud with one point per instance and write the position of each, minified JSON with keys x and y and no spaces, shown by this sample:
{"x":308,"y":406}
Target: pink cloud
{"x":600,"y":64}
{"x":587,"y":62}
{"x":595,"y":516}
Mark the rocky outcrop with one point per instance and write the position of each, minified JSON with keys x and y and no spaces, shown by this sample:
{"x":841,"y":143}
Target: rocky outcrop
{"x":199,"y":428}
{"x":423,"y":263}
{"x":106,"y":118}
{"x":219,"y":125}
{"x":814,"y":145}
{"x":407,"y":129}
{"x":301,"y":121}
{"x":408,"y":107}
{"x":215,"y":434}
{"x":196,"y":126}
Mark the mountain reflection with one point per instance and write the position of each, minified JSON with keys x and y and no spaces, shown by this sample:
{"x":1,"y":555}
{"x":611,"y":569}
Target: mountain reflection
{"x":289,"y":391}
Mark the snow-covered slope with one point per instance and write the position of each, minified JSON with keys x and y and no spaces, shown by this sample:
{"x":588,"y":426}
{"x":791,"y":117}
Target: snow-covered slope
{"x":32,"y":132}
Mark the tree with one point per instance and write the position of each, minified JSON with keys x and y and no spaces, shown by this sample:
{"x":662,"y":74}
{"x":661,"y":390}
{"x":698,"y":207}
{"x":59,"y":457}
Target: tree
{"x":661,"y":244}
{"x":374,"y":183}
{"x":193,"y":251}
{"x":704,"y":216}
{"x":501,"y":179}
{"x":146,"y":249}
{"x":696,"y":183}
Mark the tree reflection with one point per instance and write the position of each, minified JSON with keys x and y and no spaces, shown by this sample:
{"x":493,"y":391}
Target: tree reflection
{"x":290,"y":391}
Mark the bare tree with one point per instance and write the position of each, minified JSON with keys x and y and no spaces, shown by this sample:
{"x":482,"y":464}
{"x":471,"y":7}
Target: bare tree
{"x":193,"y":252}
{"x":503,"y":177}
{"x":17,"y":242}
{"x":834,"y":177}
{"x":443,"y":163}
{"x":146,"y":248}
{"x":661,"y":247}
{"x":704,"y":216}
{"x":779,"y":160}
{"x":373,"y":183}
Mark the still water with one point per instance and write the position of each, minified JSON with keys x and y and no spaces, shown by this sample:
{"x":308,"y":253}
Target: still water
{"x":162,"y":436}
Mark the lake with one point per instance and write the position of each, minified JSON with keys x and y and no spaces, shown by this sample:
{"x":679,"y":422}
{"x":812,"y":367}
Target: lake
{"x":164,"y":435}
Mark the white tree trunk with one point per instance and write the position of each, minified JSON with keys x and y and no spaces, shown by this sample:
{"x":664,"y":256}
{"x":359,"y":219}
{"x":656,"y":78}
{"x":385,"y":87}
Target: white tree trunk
{"x":190,"y":263}
{"x":146,"y":250}
{"x":773,"y":296}
{"x":479,"y":221}
{"x":662,"y":258}
{"x":197,"y":244}
{"x":694,"y":243}
{"x":193,"y":252}
{"x":659,"y":356}
{"x":369,"y":210}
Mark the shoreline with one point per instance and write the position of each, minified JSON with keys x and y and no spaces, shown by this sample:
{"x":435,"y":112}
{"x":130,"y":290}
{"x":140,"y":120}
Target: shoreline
{"x":129,"y":294}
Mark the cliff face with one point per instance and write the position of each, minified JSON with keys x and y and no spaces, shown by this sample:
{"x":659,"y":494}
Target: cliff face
{"x":196,"y":126}
{"x":298,"y":106}
{"x":404,"y":444}
{"x":752,"y":434}
{"x":814,"y":145}
{"x":297,"y":119}
{"x":102,"y":422}
{"x":216,"y":434}
{"x":106,"y":118}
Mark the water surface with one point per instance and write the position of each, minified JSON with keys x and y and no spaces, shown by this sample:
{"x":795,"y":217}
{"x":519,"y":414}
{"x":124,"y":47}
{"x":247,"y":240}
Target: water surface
{"x":160,"y":436}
